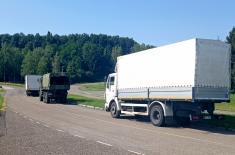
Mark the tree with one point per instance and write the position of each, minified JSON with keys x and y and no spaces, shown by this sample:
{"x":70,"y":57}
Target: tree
{"x":43,"y":66}
{"x":74,"y":69}
{"x":9,"y":63}
{"x":91,"y":54}
{"x":56,"y":64}
{"x":140,"y":47}
{"x":85,"y":57}
{"x":116,"y":51}
{"x":16,"y":58}
{"x":231,"y":40}
{"x":30,"y":62}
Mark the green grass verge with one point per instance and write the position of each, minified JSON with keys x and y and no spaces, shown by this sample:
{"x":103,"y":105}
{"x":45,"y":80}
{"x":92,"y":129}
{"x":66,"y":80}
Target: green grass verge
{"x":227,"y":106}
{"x":2,"y":90}
{"x":2,"y":105}
{"x":12,"y":84}
{"x":1,"y":102}
{"x":76,"y":99}
{"x":99,"y":86}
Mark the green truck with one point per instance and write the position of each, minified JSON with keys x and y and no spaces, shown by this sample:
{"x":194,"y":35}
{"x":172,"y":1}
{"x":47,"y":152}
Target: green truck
{"x":54,"y":86}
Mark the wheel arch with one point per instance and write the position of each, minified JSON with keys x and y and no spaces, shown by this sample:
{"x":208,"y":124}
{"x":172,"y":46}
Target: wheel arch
{"x":110,"y":103}
{"x":158,"y":103}
{"x":116,"y":101}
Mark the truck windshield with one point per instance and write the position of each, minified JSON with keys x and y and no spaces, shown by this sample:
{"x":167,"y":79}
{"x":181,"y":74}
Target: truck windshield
{"x":59,"y":80}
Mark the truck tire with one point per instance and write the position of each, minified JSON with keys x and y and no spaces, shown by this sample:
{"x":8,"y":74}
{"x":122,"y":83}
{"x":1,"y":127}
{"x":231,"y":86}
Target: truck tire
{"x":40,"y":97}
{"x":157,"y":115}
{"x":113,"y":110}
{"x":46,"y":99}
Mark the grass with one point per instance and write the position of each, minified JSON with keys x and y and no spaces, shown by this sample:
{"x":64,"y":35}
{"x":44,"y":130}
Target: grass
{"x":12,"y":84}
{"x":1,"y":102}
{"x":76,"y":99}
{"x":1,"y":99}
{"x":2,"y":90}
{"x":99,"y":86}
{"x":227,"y":106}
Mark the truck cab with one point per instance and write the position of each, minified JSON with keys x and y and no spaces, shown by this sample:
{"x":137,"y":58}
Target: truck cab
{"x":110,"y":90}
{"x":54,"y":86}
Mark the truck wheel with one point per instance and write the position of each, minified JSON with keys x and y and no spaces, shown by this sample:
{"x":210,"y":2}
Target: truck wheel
{"x":157,"y":115}
{"x":114,"y":112}
{"x":27,"y":93}
{"x":40,"y":97}
{"x":46,"y":99}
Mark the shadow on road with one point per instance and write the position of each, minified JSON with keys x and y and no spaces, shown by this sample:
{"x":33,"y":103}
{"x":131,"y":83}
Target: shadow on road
{"x":69,"y":101}
{"x":221,"y":126}
{"x":224,"y":126}
{"x":72,"y":101}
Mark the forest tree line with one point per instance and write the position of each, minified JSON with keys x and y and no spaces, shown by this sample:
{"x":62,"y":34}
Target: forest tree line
{"x":83,"y":57}
{"x":231,"y":40}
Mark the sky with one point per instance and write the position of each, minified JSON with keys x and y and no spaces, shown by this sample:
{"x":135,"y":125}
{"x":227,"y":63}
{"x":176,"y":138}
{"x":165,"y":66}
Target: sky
{"x":154,"y":22}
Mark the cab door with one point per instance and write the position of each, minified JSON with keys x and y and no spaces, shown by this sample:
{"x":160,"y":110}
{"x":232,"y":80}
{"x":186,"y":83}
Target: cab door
{"x":110,"y":92}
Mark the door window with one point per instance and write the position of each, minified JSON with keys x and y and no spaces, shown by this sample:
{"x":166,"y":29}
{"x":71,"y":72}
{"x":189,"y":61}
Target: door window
{"x":110,"y":82}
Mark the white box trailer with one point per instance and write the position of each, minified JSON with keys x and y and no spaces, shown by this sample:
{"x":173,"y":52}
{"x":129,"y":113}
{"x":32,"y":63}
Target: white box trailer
{"x":32,"y":84}
{"x":178,"y":78}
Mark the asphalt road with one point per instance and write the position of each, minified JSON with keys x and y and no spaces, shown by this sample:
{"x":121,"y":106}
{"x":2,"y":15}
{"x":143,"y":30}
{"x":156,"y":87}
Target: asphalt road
{"x":30,"y":137}
{"x":95,"y":132}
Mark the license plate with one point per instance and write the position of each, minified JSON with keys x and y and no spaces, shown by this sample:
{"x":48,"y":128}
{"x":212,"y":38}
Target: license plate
{"x":206,"y":117}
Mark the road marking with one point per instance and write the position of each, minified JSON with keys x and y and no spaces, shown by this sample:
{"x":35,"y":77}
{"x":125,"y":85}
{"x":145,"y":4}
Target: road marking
{"x":133,"y":152}
{"x":104,"y":143}
{"x":46,"y":125}
{"x":149,"y":130}
{"x":153,"y":131}
{"x":25,"y":116}
{"x":38,"y":122}
{"x":79,"y":136}
{"x":59,"y":130}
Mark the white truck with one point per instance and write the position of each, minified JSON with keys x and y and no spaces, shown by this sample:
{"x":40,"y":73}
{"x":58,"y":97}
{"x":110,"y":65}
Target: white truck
{"x":175,"y":82}
{"x":32,"y":84}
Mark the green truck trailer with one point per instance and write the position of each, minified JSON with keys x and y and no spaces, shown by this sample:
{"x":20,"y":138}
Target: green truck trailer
{"x":54,"y":87}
